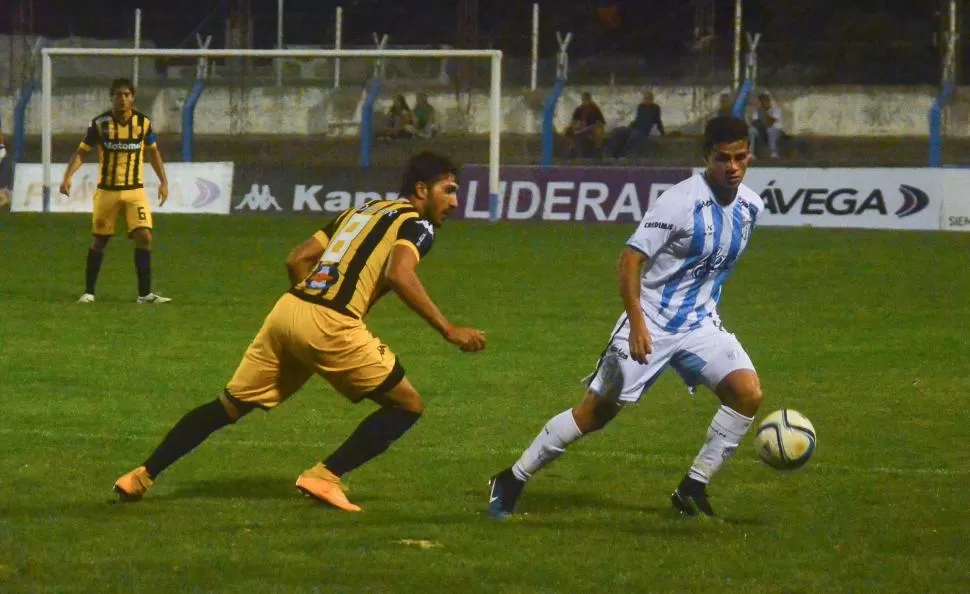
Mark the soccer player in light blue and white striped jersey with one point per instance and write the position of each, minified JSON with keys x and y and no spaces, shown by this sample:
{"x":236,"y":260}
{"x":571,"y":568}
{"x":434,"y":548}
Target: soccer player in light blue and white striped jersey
{"x":671,"y":274}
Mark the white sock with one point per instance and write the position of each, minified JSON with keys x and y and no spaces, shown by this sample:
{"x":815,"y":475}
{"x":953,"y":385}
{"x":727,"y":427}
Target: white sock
{"x":723,"y":436}
{"x":560,"y":431}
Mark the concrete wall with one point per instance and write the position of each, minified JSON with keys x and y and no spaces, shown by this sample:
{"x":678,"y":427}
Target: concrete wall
{"x":829,"y":111}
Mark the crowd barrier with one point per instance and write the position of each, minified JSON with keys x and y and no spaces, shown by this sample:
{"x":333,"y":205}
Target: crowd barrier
{"x":863,"y":198}
{"x":919,"y":199}
{"x":192,"y":188}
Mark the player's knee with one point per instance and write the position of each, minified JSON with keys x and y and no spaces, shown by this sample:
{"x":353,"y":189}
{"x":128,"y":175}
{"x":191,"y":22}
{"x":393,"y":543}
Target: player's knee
{"x":403,"y":399}
{"x":143,"y":238}
{"x":604,"y":412}
{"x":397,"y":392}
{"x":748,"y":392}
{"x":594,"y":413}
{"x":99,"y":243}
{"x":741,"y":390}
{"x":235,"y":409}
{"x":413,"y":405}
{"x":753,"y":396}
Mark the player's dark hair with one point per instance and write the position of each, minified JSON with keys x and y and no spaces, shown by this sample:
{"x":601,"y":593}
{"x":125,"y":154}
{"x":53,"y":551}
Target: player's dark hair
{"x":122,"y":83}
{"x":722,"y":130}
{"x":425,"y":167}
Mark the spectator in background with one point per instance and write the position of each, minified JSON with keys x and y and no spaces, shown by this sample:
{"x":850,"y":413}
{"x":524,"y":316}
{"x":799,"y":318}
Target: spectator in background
{"x":6,"y":174}
{"x":586,"y":130}
{"x":725,"y":104}
{"x":400,"y":120}
{"x":425,"y":124}
{"x":765,"y":126}
{"x":631,"y":138}
{"x":608,"y":12}
{"x":607,"y":23}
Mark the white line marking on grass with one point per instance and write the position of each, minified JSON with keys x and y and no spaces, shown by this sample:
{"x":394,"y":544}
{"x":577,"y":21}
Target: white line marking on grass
{"x":458,"y":452}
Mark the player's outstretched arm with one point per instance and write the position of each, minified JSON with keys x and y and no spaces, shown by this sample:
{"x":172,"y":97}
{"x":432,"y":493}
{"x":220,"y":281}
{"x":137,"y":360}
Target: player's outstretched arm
{"x":629,"y":269}
{"x":155,"y":158}
{"x":402,"y":276}
{"x":303,"y":257}
{"x":72,"y":166}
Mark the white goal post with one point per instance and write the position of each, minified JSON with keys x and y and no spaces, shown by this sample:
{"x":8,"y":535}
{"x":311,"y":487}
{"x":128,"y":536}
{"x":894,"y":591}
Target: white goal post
{"x":495,"y":90}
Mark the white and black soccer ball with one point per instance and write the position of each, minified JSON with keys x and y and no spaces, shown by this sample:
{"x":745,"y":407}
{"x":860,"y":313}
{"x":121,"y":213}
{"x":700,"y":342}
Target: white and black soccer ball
{"x":785,"y":439}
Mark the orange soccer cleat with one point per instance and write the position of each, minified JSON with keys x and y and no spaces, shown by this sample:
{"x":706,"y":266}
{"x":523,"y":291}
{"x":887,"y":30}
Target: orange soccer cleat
{"x":131,"y":486}
{"x":320,"y":483}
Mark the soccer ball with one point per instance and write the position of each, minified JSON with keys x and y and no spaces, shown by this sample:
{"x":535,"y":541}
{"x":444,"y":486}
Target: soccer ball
{"x":785,"y":439}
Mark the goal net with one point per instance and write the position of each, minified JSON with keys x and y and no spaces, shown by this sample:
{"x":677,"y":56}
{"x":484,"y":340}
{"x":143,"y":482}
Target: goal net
{"x":303,"y":129}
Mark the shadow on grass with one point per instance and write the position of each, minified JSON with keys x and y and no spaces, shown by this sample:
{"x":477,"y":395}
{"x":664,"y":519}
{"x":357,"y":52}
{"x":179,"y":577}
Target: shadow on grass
{"x":543,"y":507}
{"x":243,"y":487}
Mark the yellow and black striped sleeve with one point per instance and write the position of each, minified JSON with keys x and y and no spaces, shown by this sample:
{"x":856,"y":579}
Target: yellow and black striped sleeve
{"x":92,"y":138}
{"x":417,"y":234}
{"x":150,"y":138}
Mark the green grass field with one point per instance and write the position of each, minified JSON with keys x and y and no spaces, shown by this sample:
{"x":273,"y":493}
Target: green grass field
{"x":840,"y":324}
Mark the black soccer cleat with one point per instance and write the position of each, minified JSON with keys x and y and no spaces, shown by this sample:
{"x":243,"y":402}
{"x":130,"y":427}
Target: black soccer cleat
{"x":690,"y":498}
{"x":504,"y":490}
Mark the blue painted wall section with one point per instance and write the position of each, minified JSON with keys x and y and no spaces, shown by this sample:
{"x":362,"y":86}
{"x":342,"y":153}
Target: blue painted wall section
{"x":367,"y":122}
{"x":188,"y":120}
{"x":741,"y":101}
{"x":20,"y":120}
{"x":936,"y":124}
{"x":548,"y":121}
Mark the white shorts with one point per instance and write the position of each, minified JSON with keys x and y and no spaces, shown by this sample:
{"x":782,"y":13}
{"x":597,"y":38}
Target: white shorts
{"x":703,"y":356}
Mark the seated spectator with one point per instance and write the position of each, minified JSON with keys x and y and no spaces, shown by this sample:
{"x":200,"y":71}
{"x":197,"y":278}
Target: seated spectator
{"x":400,"y":120}
{"x":765,"y":126}
{"x":725,"y":104}
{"x":6,"y":175}
{"x":586,"y":130}
{"x":425,"y":125}
{"x":631,"y":138}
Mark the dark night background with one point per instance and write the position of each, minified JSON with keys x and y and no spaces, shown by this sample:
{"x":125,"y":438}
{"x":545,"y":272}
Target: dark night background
{"x":860,"y":41}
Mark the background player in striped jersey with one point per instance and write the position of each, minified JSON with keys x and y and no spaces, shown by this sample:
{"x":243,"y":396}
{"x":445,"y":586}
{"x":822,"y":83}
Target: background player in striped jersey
{"x":671,"y":274}
{"x":124,"y":137}
{"x":317,"y":328}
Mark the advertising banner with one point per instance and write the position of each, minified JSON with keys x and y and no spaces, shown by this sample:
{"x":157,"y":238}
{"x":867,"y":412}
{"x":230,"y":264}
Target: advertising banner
{"x":192,"y":188}
{"x":6,"y":181}
{"x":861,"y":198}
{"x":325,"y":191}
{"x":956,"y":207}
{"x":588,"y":194}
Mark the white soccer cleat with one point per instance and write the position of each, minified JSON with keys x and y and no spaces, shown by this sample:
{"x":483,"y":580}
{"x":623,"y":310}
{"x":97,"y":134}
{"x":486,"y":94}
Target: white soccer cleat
{"x":86,"y":298}
{"x":150,"y":298}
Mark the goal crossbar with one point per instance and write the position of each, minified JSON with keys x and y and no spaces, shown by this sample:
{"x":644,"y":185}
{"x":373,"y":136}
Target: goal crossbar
{"x":495,"y":88}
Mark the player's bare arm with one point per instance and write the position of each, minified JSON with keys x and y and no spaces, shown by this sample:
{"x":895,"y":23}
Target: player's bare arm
{"x":304,"y":257}
{"x":155,"y":158}
{"x":72,"y":166}
{"x":403,"y":279}
{"x":629,"y":268}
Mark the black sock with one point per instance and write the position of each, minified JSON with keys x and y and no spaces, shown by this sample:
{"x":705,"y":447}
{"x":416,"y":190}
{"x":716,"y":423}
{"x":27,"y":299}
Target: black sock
{"x":92,"y":269}
{"x":143,"y":268}
{"x":371,"y":438}
{"x":690,"y":485}
{"x":189,"y":432}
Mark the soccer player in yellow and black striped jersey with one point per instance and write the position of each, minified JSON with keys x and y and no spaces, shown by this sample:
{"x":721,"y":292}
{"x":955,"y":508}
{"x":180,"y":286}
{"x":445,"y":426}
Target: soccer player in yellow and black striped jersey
{"x":124,"y":138}
{"x":317,"y":327}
